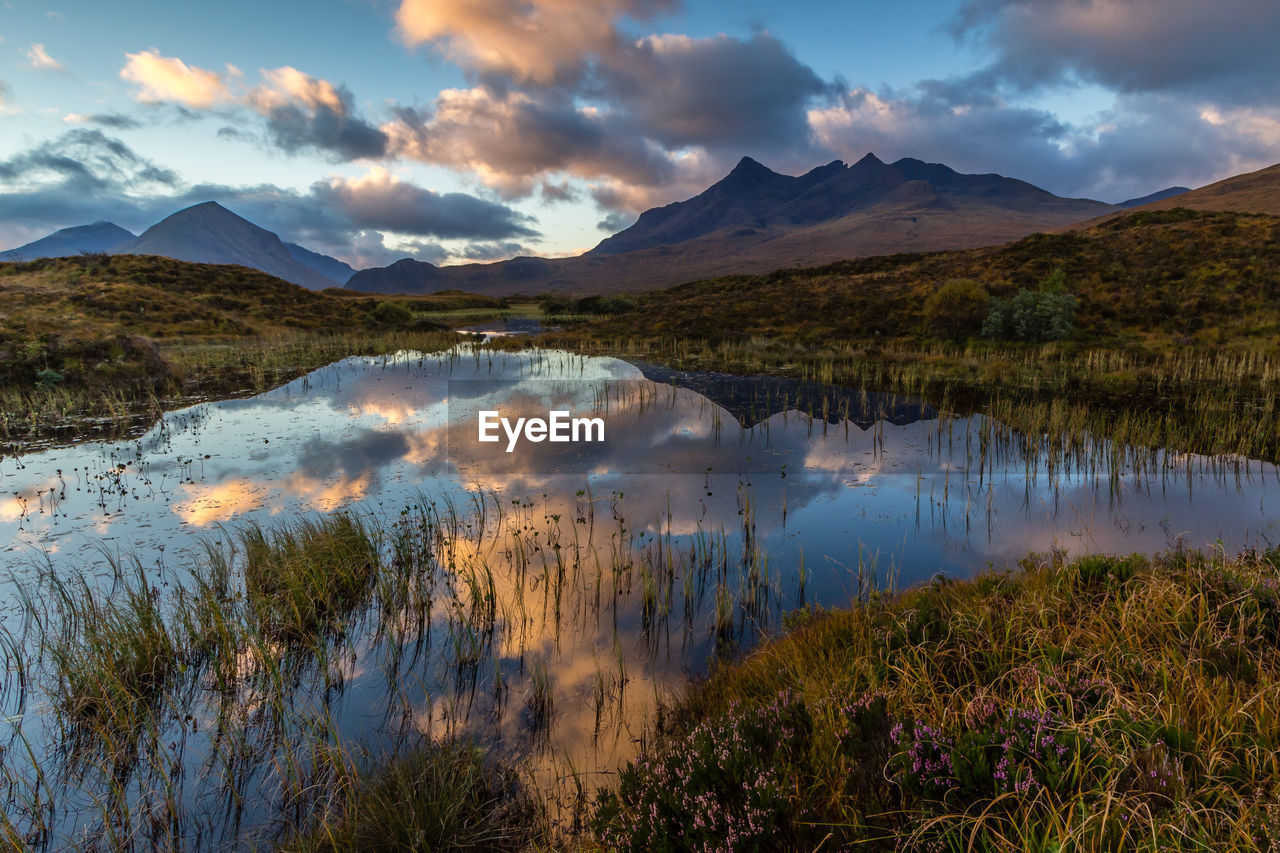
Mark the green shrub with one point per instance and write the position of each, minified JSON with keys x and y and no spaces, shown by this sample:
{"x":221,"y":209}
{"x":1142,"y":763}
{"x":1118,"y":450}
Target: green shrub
{"x":1033,"y":316}
{"x":957,"y":309}
{"x":390,"y":314}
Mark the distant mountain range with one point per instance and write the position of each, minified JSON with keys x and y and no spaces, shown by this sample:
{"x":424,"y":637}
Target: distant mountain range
{"x":756,"y":220}
{"x":204,"y":233}
{"x":752,"y":221}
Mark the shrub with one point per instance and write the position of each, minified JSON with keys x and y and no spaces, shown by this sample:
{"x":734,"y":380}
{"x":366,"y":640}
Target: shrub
{"x":957,"y":309}
{"x":47,"y":378}
{"x":1033,"y":316}
{"x":556,"y":303}
{"x":390,"y":314}
{"x":725,"y":785}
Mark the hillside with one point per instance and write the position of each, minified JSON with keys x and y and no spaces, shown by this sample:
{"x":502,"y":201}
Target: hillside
{"x":208,"y":233}
{"x":100,"y":344}
{"x":756,"y":220}
{"x":158,"y":297}
{"x":1253,"y":192}
{"x":1170,"y":274}
{"x":98,"y":237}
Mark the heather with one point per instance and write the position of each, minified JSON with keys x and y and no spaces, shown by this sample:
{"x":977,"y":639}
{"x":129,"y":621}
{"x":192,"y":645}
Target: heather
{"x":1100,"y":703}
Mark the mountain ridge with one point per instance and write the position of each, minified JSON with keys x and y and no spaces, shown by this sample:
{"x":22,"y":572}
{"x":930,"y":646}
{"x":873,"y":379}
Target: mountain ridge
{"x":755,"y":220}
{"x":296,"y":263}
{"x":211,"y":234}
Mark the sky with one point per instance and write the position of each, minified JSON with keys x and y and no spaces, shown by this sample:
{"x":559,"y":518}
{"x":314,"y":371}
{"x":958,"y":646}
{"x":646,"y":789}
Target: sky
{"x":473,"y":130}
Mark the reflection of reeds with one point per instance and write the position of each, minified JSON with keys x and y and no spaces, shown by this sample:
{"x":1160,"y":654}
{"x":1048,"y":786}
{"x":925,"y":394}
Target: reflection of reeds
{"x":1196,"y":400}
{"x":220,"y":681}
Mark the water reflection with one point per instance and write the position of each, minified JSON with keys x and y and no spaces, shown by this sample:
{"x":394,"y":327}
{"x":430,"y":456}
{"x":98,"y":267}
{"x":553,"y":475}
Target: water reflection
{"x":554,"y":610}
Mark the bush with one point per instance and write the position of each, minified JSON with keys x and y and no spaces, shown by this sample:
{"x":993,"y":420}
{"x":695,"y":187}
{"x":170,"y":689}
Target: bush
{"x":390,"y":314}
{"x":725,"y":785}
{"x":556,"y":303}
{"x":1033,"y":316}
{"x":957,"y":309}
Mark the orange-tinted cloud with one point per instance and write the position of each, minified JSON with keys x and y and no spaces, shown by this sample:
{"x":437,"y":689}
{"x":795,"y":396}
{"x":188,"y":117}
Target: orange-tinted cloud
{"x":167,"y":78}
{"x":207,"y":505}
{"x":539,"y":41}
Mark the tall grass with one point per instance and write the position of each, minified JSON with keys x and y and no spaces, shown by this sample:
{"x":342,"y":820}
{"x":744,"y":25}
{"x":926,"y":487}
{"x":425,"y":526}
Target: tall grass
{"x":205,"y":702}
{"x":1216,"y":402}
{"x":439,"y":797}
{"x":1092,"y":704}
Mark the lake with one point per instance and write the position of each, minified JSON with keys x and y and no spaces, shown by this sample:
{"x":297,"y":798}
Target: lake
{"x":568,"y":590}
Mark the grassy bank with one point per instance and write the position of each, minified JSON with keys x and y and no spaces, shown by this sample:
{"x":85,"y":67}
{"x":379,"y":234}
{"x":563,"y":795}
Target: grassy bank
{"x":1098,"y":704}
{"x":100,"y":345}
{"x":1157,"y":280}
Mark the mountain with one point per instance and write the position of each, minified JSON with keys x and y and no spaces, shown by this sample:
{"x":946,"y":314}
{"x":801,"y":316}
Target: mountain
{"x":98,"y":237}
{"x":323,"y":264}
{"x":756,"y":220}
{"x":404,"y":276}
{"x":208,"y":233}
{"x":1160,"y":195}
{"x":752,"y":200}
{"x":1252,"y":192}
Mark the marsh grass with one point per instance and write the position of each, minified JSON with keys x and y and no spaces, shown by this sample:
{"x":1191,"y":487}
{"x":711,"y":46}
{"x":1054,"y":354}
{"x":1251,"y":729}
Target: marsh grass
{"x":1212,"y":402}
{"x":447,"y":797}
{"x":113,"y":657}
{"x":1093,"y":704}
{"x":202,"y":702}
{"x":304,"y":578}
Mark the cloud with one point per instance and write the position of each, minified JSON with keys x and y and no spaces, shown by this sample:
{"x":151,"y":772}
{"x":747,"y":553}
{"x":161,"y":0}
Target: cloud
{"x":1223,"y":51}
{"x":1145,"y":142}
{"x":717,"y":92}
{"x":305,"y":112}
{"x":510,"y":140}
{"x":39,"y":59}
{"x":6,"y":95}
{"x":495,"y":251}
{"x":370,"y":249}
{"x":84,"y":176}
{"x":534,"y":41}
{"x":301,"y":112}
{"x":641,"y":121}
{"x":82,"y":161}
{"x":115,"y":121}
{"x":381,"y":201}
{"x":167,"y":78}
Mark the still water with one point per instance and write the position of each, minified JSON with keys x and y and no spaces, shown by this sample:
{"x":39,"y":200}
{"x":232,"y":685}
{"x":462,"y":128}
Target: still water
{"x":606,"y":575}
